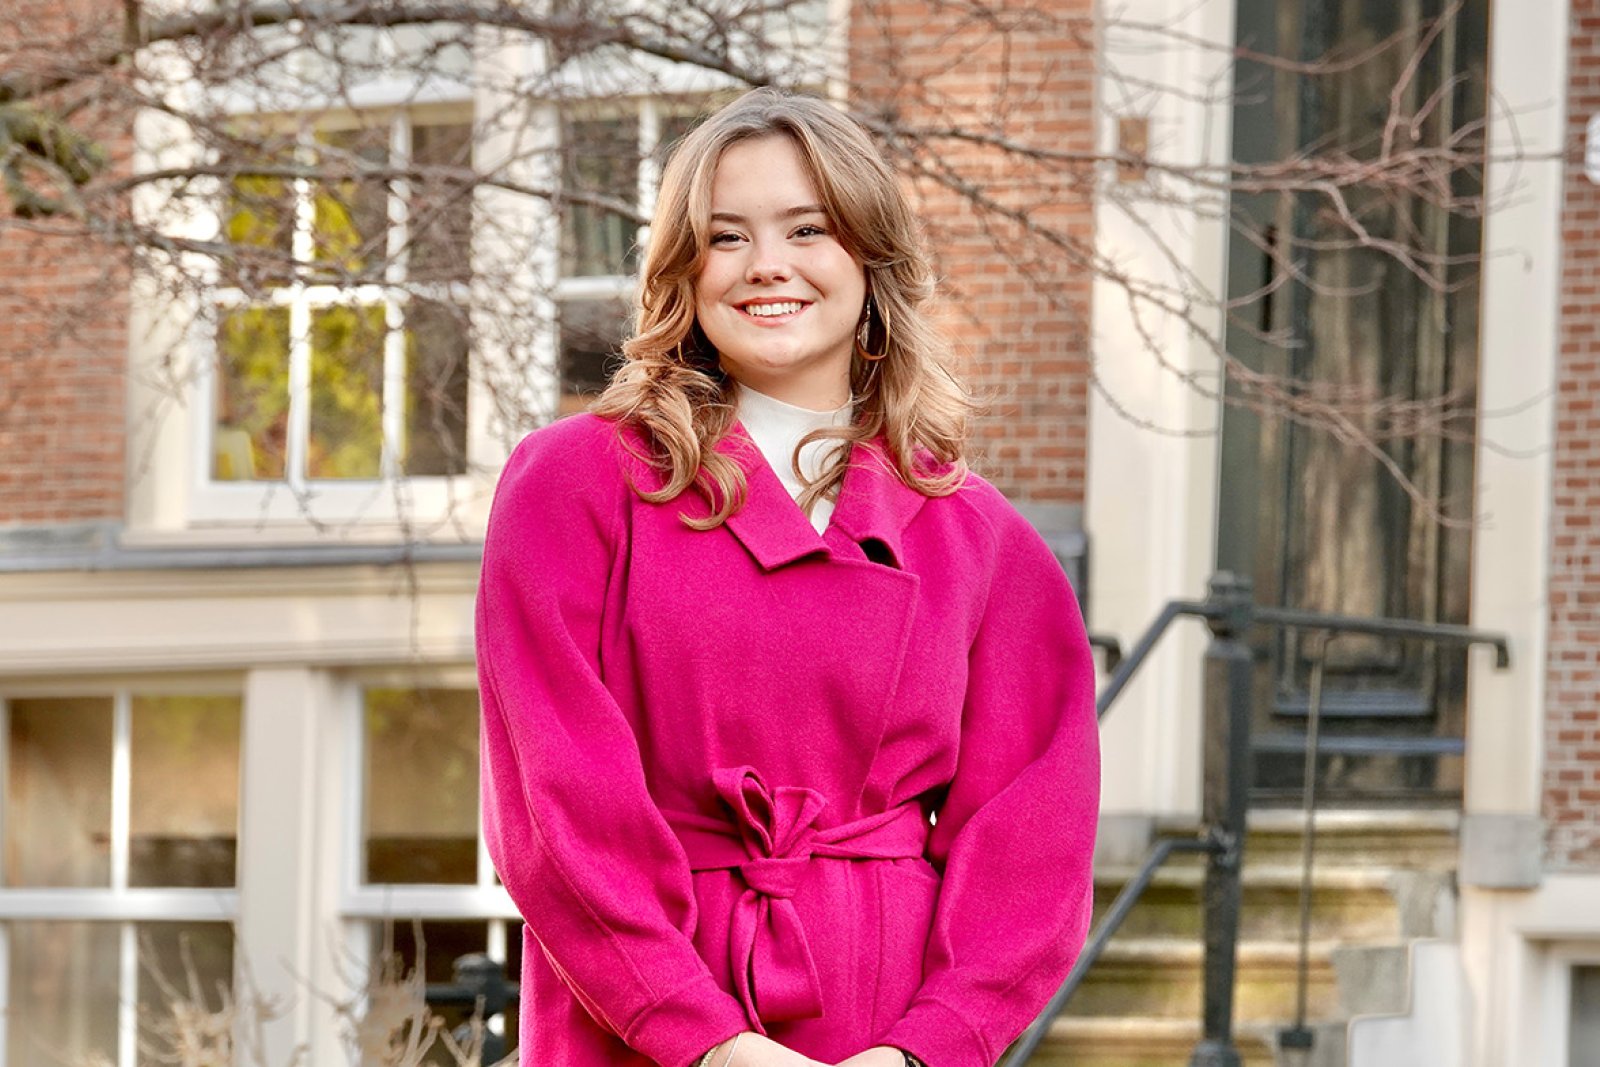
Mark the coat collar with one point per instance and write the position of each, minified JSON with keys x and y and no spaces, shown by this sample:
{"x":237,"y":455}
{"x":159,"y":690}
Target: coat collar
{"x":873,"y":504}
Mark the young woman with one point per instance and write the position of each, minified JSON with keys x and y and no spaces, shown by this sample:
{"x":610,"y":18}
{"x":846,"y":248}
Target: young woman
{"x":789,"y":743}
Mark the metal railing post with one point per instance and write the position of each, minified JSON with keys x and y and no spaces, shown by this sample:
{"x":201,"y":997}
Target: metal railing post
{"x":480,"y":985}
{"x":1230,"y":614}
{"x":1224,"y":804}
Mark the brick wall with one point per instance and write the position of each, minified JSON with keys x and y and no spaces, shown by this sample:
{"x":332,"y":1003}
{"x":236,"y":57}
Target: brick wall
{"x":1018,"y":300}
{"x":1018,"y":306}
{"x":64,"y":311}
{"x":1572,"y":723}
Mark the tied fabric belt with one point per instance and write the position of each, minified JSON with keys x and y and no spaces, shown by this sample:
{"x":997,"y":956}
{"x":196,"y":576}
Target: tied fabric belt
{"x":770,"y":841}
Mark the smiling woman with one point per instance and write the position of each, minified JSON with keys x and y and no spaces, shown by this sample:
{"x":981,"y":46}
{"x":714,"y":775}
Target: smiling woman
{"x":789,"y":745}
{"x":778,"y":296}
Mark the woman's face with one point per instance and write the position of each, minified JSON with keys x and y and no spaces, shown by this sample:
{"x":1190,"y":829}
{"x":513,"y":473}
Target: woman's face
{"x":778,"y":295}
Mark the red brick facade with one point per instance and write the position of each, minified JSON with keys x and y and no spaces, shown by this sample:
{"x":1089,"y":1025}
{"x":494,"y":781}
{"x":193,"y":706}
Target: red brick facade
{"x":1018,"y":302}
{"x":1018,"y":306}
{"x":63,"y":324}
{"x":1572,"y":724}
{"x":62,"y":391}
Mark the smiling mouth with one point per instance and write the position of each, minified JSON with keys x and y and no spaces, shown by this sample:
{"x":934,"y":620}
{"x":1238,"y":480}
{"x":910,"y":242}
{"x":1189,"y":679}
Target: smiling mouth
{"x":775,"y":310}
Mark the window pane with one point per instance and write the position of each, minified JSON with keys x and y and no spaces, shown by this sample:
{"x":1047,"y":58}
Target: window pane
{"x":1584,"y":1042}
{"x":184,"y":809}
{"x":442,"y":943}
{"x":351,"y":211}
{"x":63,"y":992}
{"x":441,"y":205}
{"x":185,"y":979}
{"x":671,"y":131}
{"x":591,"y":340}
{"x":252,"y":398}
{"x":421,"y":794}
{"x":600,"y":157}
{"x":346,"y":392}
{"x":436,"y":389}
{"x":58,"y":793}
{"x":259,"y":224}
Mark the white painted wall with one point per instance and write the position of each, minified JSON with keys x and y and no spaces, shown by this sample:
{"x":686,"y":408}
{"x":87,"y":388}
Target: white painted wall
{"x":1152,"y":496}
{"x":1518,"y":949}
{"x":72,"y":623}
{"x":287,"y":948}
{"x":1521,"y":286}
{"x":1432,"y":1031}
{"x":1503,"y":932}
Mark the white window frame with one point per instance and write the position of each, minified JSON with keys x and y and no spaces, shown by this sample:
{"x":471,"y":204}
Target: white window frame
{"x":1555,"y":998}
{"x":118,"y":903}
{"x":361,"y":905}
{"x":391,"y":497}
{"x":648,"y":113}
{"x":426,"y":506}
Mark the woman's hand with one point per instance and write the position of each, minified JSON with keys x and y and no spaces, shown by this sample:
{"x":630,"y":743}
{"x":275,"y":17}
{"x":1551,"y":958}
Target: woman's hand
{"x":754,"y":1050}
{"x":877,"y":1056}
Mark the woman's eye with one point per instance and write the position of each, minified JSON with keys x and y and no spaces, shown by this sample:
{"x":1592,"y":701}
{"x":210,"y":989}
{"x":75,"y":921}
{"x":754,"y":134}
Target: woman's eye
{"x":726,"y":238}
{"x":810,"y":231}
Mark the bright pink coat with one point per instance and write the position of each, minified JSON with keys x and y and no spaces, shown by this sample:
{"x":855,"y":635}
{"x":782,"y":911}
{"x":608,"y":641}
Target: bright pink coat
{"x":711,"y":760}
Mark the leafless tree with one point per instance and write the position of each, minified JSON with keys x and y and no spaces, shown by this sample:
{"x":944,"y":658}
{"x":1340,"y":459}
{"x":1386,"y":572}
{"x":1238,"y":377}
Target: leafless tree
{"x":222,"y":156}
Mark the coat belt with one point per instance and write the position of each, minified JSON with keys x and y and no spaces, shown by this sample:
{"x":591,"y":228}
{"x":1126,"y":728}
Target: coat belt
{"x":770,"y":839}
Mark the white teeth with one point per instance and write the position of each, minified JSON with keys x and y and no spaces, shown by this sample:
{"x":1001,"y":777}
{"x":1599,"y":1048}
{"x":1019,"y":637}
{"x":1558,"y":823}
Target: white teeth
{"x":765,"y":310}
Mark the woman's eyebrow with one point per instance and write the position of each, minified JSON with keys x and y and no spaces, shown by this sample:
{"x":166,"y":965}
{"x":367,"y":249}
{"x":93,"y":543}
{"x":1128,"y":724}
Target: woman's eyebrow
{"x":804,"y":209}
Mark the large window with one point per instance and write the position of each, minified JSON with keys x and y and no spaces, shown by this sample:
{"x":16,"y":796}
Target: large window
{"x":612,"y":154}
{"x":1583,"y":1043}
{"x":423,"y":887}
{"x":117,"y":891}
{"x":341,"y":340}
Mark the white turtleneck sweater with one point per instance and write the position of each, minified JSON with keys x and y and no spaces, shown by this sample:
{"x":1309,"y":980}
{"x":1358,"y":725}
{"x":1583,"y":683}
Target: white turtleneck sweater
{"x":776,"y":427}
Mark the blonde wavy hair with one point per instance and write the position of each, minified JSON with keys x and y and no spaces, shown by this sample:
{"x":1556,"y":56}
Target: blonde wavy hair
{"x":671,"y":385}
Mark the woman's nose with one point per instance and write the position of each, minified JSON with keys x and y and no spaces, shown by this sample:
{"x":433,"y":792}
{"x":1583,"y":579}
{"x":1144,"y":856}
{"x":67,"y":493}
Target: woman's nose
{"x":767,"y":264}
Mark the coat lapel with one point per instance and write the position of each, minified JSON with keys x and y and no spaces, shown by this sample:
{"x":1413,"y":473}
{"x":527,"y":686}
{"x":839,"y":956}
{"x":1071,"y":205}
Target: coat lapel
{"x":873,"y":504}
{"x":770,"y":525}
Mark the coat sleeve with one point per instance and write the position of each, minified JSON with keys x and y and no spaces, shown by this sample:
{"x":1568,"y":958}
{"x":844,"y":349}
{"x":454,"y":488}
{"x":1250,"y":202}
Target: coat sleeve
{"x":1015,"y":833}
{"x":591,"y":864}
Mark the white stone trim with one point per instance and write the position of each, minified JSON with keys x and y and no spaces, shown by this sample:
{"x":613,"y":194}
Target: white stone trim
{"x":1518,"y":949}
{"x":1519,"y":346}
{"x":150,"y":622}
{"x":428,"y":902}
{"x":1152,"y":496}
{"x":287,"y":890}
{"x":119,"y":905}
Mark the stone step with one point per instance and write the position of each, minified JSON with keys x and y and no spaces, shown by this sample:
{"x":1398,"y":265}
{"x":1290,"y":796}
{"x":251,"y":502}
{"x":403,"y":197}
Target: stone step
{"x":1410,"y":840}
{"x":1132,"y":1041}
{"x":1345,"y":904}
{"x":1162,"y":978}
{"x":1380,"y":878}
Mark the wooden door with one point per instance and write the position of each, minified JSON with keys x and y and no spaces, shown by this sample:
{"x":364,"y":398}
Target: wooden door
{"x":1354,"y":494}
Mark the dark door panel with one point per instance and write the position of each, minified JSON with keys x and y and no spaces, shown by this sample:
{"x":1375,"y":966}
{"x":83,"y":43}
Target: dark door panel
{"x":1347,"y":487}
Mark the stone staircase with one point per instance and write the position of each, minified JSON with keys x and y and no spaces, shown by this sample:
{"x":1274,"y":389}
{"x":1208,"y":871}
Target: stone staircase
{"x":1381,"y":881}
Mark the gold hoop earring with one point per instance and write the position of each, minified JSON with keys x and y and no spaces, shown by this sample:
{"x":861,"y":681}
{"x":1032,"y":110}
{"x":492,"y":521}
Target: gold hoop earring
{"x":864,"y":333}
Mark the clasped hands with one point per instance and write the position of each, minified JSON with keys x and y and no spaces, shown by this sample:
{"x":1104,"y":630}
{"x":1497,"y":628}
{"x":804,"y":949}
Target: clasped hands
{"x":754,"y":1050}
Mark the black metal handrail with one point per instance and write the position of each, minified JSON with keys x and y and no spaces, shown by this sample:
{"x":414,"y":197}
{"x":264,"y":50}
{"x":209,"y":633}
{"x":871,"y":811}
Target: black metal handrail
{"x":480,"y":985}
{"x":1131,"y":662}
{"x":1230,"y":613}
{"x":1029,"y":1042}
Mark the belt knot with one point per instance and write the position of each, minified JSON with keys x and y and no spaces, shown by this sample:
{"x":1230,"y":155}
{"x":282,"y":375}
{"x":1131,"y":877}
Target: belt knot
{"x":773,"y":823}
{"x":771,"y":839}
{"x":778,"y":877}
